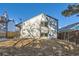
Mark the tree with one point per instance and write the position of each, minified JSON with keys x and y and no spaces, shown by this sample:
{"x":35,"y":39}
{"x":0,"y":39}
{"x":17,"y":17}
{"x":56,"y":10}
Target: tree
{"x":71,"y":10}
{"x":31,"y":29}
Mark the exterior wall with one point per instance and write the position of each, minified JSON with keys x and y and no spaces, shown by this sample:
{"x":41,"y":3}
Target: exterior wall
{"x":39,"y":26}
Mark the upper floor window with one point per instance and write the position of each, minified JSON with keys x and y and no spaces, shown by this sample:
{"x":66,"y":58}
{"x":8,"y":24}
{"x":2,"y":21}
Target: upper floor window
{"x":44,"y":23}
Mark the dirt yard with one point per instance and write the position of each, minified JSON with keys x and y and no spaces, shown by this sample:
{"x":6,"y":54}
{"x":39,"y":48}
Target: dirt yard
{"x":31,"y":47}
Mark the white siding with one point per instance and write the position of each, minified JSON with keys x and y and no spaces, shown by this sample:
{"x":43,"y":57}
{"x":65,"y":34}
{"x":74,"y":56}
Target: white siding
{"x":32,"y":28}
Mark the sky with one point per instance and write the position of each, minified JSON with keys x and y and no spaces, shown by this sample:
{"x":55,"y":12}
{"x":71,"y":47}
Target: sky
{"x":26,"y":11}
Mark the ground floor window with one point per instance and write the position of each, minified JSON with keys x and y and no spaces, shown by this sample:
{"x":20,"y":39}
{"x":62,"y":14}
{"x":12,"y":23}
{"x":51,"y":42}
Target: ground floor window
{"x":44,"y":34}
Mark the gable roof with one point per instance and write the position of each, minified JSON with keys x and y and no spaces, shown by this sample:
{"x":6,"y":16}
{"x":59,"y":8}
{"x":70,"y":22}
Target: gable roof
{"x":19,"y":24}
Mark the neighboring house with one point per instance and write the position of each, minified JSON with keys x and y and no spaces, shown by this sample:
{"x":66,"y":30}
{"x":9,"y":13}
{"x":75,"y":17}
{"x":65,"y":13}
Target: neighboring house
{"x":70,"y":33}
{"x":74,"y":26}
{"x":41,"y":26}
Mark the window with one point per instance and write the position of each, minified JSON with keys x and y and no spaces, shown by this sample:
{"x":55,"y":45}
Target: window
{"x":44,"y":23}
{"x":44,"y":34}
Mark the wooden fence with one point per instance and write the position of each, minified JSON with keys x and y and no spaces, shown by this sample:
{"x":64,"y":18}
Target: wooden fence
{"x":72,"y":36}
{"x":9,"y":35}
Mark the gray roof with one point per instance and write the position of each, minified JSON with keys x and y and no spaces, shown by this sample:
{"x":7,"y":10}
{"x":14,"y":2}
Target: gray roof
{"x":74,"y":26}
